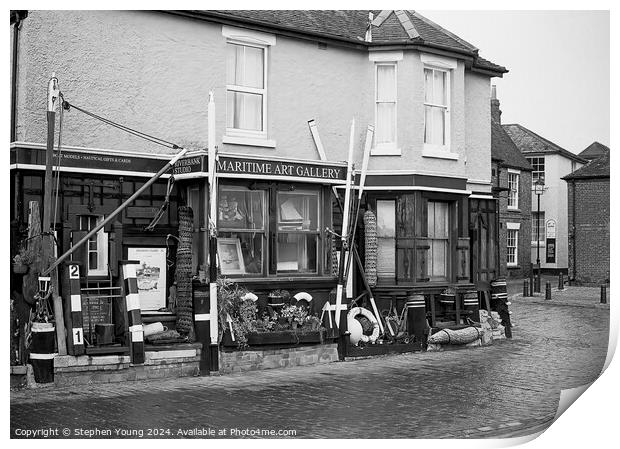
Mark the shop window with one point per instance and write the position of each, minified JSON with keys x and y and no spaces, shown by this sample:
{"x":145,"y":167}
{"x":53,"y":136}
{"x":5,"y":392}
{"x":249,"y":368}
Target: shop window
{"x":241,"y":221}
{"x":96,"y":249}
{"x":438,"y":236}
{"x":297,"y":231}
{"x":386,"y":238}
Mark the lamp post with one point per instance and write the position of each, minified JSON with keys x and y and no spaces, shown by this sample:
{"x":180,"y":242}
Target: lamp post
{"x":539,"y":189}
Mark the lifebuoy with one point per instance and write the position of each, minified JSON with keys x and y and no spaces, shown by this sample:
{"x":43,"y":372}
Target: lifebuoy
{"x":355,"y":311}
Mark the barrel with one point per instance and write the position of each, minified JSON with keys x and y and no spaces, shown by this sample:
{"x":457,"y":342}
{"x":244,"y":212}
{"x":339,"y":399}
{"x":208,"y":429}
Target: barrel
{"x":42,"y":351}
{"x":498,"y":292}
{"x":416,"y":316}
{"x":470,"y":299}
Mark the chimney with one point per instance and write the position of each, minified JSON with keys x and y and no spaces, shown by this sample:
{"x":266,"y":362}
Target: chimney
{"x":496,"y":114}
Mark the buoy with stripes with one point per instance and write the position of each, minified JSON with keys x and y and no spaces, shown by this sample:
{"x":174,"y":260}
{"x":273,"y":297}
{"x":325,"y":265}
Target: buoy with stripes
{"x":42,"y":351}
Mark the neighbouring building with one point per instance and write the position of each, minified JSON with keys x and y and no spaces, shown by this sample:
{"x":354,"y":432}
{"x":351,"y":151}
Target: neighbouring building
{"x":549,"y":162}
{"x":588,"y":222}
{"x":594,"y":151}
{"x":512,"y":179}
{"x":425,"y":90}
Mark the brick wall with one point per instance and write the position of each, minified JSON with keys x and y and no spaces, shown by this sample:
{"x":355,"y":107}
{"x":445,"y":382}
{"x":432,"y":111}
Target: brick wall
{"x":588,"y":221}
{"x":240,"y":361}
{"x":522,"y":215}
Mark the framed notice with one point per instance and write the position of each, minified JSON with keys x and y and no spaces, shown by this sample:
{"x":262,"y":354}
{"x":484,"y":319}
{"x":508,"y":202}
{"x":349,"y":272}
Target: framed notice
{"x":230,"y":256}
{"x":151,"y":276}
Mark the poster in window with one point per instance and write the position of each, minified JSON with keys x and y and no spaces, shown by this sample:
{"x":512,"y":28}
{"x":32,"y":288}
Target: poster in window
{"x":151,"y":276}
{"x":230,"y":256}
{"x":550,"y":250}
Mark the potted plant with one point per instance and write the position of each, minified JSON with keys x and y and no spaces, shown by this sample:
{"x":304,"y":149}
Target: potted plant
{"x":22,"y":260}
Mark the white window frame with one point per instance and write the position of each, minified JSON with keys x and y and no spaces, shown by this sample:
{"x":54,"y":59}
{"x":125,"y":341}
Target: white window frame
{"x":513,"y":227}
{"x":517,"y":174}
{"x":387,"y":148}
{"x":102,"y":249}
{"x":446,"y":65}
{"x":249,"y":38}
{"x":536,"y":173}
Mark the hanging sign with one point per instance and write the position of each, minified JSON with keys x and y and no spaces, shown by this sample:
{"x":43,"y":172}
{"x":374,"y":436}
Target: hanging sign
{"x":550,"y":228}
{"x":151,"y":276}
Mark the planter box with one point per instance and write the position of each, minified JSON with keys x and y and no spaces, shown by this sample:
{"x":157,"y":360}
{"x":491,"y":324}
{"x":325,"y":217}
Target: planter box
{"x":276,"y":338}
{"x":373,"y":350}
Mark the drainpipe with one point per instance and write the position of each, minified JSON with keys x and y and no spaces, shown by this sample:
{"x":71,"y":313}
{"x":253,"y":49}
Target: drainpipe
{"x":16,"y":19}
{"x":572,"y":186}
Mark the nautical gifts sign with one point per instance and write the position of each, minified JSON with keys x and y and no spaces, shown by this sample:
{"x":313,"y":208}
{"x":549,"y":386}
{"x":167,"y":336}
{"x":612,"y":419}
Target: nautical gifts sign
{"x":284,"y":169}
{"x":151,"y":276}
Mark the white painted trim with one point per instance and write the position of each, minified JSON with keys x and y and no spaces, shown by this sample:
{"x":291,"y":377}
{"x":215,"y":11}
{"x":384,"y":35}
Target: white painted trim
{"x":282,"y":178}
{"x":479,"y":181}
{"x":513,"y":226}
{"x":481,"y":197}
{"x":249,"y":141}
{"x":512,"y":170}
{"x":202,"y":317}
{"x":411,"y":172}
{"x":440,"y":62}
{"x":385,"y":56}
{"x":76,"y":303}
{"x":386,"y":150}
{"x":518,"y":173}
{"x":38,"y":356}
{"x":250,"y":36}
{"x":422,"y":188}
{"x":434,"y":152}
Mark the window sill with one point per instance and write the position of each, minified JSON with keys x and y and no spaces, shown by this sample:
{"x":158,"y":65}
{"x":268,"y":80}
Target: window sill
{"x":249,"y":141}
{"x":513,"y":209}
{"x":385,"y":151}
{"x":513,"y":267}
{"x":438,"y":153}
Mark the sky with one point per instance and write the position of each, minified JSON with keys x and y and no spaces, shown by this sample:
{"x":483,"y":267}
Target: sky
{"x":558,"y":62}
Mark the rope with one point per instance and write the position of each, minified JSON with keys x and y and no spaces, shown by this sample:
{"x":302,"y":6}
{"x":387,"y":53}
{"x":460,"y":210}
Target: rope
{"x":164,"y":206}
{"x":127,"y":129}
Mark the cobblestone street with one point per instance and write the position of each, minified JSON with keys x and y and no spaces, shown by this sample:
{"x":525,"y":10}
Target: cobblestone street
{"x":503,"y":389}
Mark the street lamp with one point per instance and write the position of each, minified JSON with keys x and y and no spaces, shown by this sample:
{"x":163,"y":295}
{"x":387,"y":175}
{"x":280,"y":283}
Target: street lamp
{"x":539,"y":189}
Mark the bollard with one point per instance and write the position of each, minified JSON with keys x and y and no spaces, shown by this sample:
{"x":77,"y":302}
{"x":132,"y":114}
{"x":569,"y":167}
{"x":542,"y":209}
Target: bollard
{"x":603,"y":294}
{"x":526,"y":287}
{"x":532,"y":281}
{"x":548,"y":290}
{"x":561,"y":281}
{"x":537,"y":281}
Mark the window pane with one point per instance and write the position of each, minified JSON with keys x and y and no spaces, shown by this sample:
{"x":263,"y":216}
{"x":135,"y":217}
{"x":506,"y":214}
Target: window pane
{"x":244,"y":66}
{"x":386,"y":117}
{"x":245,"y":111}
{"x":428,"y":85}
{"x":439,"y":88}
{"x":297,"y":253}
{"x":438,"y":126}
{"x":386,"y":83}
{"x":438,"y":259}
{"x":438,"y":232}
{"x":298,"y":211}
{"x":240,"y":208}
{"x":386,"y":238}
{"x":92,"y":260}
{"x":251,"y":250}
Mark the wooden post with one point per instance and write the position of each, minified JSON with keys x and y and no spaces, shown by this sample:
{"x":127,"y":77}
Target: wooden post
{"x":213,"y":311}
{"x":74,"y":308}
{"x":134,"y":319}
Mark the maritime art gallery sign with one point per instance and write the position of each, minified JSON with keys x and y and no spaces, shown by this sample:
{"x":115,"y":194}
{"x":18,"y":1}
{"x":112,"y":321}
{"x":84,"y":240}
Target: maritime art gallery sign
{"x":287,"y":169}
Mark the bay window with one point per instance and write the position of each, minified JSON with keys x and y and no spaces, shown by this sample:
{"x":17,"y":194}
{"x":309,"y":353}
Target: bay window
{"x":438,"y":236}
{"x":254,"y":242}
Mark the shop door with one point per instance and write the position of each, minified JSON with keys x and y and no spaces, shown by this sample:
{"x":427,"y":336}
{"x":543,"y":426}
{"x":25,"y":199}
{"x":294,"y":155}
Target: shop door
{"x":483,"y":237}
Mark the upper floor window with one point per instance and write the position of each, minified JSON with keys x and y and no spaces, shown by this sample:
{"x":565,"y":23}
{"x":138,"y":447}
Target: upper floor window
{"x":538,"y":166}
{"x":513,"y":189}
{"x":385,"y":105}
{"x":538,"y":227}
{"x":436,"y":105}
{"x":246,"y":92}
{"x":247,"y":53}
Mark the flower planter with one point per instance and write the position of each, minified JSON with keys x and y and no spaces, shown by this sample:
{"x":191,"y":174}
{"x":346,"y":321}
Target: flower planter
{"x":19,"y":268}
{"x":276,"y":338}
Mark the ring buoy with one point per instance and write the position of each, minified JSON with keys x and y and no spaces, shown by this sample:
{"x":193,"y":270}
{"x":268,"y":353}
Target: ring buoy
{"x":355,"y":311}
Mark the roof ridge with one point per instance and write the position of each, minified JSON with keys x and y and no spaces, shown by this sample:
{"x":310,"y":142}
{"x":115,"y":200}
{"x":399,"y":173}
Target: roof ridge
{"x":384,"y":14}
{"x":553,"y":144}
{"x":405,"y":21}
{"x":449,"y":33}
